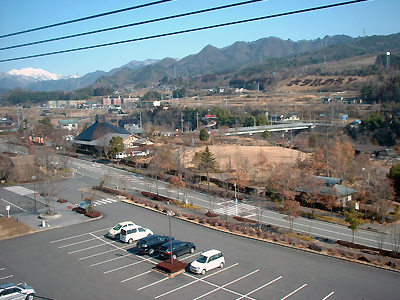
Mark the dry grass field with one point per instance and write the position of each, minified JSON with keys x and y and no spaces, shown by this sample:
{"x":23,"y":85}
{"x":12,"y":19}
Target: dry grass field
{"x":227,"y":155}
{"x":11,"y":227}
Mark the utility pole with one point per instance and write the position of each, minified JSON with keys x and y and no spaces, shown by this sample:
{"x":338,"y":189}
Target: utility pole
{"x":181,"y":122}
{"x":197,"y":121}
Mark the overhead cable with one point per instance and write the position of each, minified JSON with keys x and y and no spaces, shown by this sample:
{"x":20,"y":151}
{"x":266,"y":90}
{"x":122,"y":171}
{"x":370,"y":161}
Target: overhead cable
{"x":86,"y":18}
{"x":187,"y":30}
{"x":132,"y":24}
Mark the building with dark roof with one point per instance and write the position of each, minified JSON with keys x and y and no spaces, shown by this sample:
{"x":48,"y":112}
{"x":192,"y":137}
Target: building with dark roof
{"x":99,"y":134}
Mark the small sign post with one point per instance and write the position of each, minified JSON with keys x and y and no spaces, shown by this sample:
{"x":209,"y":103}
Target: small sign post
{"x":8,"y":210}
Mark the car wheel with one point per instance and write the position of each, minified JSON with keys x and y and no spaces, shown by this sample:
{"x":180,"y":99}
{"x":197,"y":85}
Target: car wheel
{"x":203,"y":271}
{"x":151,"y":251}
{"x":221,"y":265}
{"x":30,"y":297}
{"x":117,"y":237}
{"x":130,"y":241}
{"x":191,"y":250}
{"x":174,"y":256}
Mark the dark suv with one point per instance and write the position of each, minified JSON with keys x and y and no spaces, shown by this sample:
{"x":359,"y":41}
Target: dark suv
{"x":151,"y":243}
{"x":178,"y":248}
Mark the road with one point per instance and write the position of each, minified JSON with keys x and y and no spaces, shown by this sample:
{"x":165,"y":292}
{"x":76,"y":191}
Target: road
{"x":316,"y":228}
{"x":78,"y":262}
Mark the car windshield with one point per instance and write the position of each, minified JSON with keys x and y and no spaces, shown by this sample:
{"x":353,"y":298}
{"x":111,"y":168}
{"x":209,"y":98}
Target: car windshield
{"x":117,"y":227}
{"x":202,"y":259}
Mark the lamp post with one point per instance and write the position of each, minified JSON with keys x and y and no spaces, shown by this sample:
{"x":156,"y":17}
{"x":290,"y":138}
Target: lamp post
{"x":169,"y":214}
{"x":34,"y":191}
{"x":236,"y":201}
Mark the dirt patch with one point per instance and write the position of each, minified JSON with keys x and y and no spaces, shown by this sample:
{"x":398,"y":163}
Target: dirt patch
{"x":228,"y":154}
{"x":11,"y":227}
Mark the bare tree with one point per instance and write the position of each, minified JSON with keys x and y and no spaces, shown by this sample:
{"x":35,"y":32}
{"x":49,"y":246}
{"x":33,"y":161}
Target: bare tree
{"x":124,"y":180}
{"x":262,"y":164}
{"x":292,"y":211}
{"x":394,"y":233}
{"x":261,"y":205}
{"x":49,"y":189}
{"x":310,"y":187}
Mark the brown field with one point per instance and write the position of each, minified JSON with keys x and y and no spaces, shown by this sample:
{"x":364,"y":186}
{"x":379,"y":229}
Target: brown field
{"x":11,"y":227}
{"x":226,"y":153}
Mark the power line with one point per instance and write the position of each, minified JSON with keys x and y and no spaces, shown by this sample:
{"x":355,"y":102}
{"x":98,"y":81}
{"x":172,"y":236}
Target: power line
{"x":85,"y":18}
{"x":131,"y":24}
{"x":187,"y":30}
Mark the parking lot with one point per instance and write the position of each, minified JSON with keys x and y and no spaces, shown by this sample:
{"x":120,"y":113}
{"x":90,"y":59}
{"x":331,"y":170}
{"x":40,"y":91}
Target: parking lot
{"x":119,"y":262}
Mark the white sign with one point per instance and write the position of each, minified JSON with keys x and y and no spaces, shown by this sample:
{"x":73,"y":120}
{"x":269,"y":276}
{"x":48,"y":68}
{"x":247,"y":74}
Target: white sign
{"x":8,"y":207}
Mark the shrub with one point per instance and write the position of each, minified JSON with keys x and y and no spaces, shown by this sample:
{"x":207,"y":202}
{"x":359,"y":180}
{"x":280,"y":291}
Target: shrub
{"x":211,"y":215}
{"x":94,"y":214}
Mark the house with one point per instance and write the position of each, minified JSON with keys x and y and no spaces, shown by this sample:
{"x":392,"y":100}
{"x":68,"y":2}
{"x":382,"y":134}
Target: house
{"x":332,"y":187}
{"x":98,"y":135}
{"x":371,"y":150}
{"x":19,"y":168}
{"x":68,"y":124}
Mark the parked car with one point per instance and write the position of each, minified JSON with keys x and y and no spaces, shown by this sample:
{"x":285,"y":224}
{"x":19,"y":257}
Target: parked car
{"x":120,"y":155}
{"x":16,"y":291}
{"x":114,"y":232}
{"x":132,"y":233}
{"x":152,"y":243}
{"x":178,"y":248}
{"x":208,"y":260}
{"x":139,"y":153}
{"x":83,"y":207}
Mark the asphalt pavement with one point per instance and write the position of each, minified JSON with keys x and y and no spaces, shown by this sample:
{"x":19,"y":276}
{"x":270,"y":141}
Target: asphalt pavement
{"x":65,"y":215}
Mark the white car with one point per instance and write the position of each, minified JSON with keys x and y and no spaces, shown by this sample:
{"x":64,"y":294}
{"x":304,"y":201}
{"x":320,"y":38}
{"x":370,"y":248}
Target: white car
{"x":208,"y":260}
{"x":132,"y":233}
{"x":114,"y":232}
{"x":16,"y":291}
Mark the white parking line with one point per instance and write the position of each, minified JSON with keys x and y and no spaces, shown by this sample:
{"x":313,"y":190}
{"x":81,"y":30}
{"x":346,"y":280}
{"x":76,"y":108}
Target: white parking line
{"x":327,"y":296}
{"x":77,"y":243}
{"x":196,"y":280}
{"x":123,"y":267}
{"x":75,"y":236}
{"x":5,"y":277}
{"x":13,"y":205}
{"x":111,"y":259}
{"x":97,"y":254}
{"x":190,"y":256}
{"x":261,"y":287}
{"x":151,"y":284}
{"x":84,"y":249}
{"x":295,"y":291}
{"x":226,"y":284}
{"x":136,"y":276}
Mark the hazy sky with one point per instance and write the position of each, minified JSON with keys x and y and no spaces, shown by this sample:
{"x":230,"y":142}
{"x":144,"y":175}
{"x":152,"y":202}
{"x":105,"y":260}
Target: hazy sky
{"x":375,"y":17}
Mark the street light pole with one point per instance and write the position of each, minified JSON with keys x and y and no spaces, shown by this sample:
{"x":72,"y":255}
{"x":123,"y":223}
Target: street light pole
{"x":236,"y":201}
{"x":34,"y":191}
{"x":169,"y":214}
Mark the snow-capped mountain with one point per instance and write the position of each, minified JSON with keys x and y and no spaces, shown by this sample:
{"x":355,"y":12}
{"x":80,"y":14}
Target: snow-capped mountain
{"x":37,"y":74}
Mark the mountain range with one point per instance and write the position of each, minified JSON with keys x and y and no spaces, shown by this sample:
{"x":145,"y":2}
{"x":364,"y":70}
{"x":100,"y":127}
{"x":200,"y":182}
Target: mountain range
{"x":210,"y":60}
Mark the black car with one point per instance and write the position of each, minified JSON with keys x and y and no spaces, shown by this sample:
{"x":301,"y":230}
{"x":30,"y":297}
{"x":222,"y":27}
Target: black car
{"x":178,"y":248}
{"x":151,"y":243}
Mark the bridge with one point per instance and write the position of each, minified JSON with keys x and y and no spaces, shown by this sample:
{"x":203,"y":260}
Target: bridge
{"x":258,"y":129}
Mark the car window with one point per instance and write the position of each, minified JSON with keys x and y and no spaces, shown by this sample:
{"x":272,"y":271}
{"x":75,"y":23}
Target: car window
{"x":202,"y":259}
{"x":141,"y":229}
{"x":132,"y":230}
{"x":116,"y":227}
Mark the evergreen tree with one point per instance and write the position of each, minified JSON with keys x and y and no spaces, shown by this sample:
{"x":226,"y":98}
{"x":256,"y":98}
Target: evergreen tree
{"x":208,"y":164}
